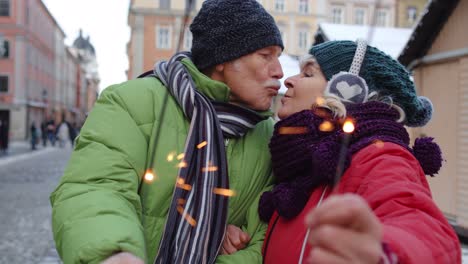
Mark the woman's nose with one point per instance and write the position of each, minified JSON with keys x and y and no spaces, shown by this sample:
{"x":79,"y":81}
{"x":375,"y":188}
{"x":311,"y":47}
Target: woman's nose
{"x":289,"y":82}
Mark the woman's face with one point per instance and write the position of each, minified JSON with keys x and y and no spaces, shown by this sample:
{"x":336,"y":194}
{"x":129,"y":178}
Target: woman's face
{"x":304,"y":89}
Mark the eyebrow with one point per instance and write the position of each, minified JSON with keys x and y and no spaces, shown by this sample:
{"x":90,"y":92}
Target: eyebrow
{"x":312,"y":65}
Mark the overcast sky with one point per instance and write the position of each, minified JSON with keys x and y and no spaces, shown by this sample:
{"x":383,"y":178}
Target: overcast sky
{"x":105,"y":21}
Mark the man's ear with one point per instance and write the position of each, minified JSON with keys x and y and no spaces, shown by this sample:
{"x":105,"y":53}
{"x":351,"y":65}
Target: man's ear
{"x":217,"y":72}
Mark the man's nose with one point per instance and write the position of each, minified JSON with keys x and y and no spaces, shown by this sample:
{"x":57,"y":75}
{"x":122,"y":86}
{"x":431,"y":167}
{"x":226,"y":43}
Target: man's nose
{"x":277,"y":71}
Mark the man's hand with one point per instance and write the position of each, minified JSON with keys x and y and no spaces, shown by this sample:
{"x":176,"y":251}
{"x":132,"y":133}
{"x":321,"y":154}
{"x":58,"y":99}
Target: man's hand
{"x":343,"y":229}
{"x":234,"y":240}
{"x":123,"y":258}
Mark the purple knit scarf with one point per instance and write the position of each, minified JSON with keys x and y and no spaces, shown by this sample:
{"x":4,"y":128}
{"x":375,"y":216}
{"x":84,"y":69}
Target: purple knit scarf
{"x":305,"y":160}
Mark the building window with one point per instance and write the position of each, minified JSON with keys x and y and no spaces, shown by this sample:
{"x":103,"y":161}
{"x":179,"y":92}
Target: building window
{"x":4,"y":49}
{"x":411,"y":13}
{"x":279,"y":5}
{"x":360,"y":16}
{"x":303,"y":41}
{"x":187,"y":39}
{"x":163,"y":37}
{"x":303,"y":6}
{"x":337,"y":14}
{"x":4,"y":7}
{"x":382,"y":18}
{"x":164,"y":4}
{"x":3,"y":84}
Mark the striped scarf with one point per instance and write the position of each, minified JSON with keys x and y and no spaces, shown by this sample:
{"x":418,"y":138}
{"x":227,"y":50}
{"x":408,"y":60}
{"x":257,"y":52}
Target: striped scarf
{"x":197,"y":216}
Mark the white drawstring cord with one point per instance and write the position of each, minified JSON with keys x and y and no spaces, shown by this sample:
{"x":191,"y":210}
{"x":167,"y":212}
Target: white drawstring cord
{"x":308,"y":229}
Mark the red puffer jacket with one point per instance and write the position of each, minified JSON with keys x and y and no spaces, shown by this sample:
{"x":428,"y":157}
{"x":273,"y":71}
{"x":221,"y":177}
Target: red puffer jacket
{"x":393,"y":183}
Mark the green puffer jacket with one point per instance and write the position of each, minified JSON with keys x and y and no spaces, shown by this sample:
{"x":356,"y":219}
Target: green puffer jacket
{"x":97,"y":209}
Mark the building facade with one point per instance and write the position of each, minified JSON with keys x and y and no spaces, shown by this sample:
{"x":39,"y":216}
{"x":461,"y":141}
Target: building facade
{"x":155,"y":30}
{"x":297,"y":20}
{"x":437,"y":54}
{"x":408,"y":12}
{"x":39,"y":76}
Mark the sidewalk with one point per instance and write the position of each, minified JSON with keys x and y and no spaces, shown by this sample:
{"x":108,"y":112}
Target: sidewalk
{"x":18,"y":150}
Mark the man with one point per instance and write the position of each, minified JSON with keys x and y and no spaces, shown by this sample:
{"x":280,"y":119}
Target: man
{"x":211,"y":143}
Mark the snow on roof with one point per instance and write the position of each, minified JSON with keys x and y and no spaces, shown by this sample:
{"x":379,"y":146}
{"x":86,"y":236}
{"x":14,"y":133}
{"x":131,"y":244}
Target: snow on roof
{"x":388,"y":39}
{"x":290,"y":67}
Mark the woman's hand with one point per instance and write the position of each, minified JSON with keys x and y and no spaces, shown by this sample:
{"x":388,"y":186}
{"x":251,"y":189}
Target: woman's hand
{"x":234,"y":240}
{"x":343,"y":229}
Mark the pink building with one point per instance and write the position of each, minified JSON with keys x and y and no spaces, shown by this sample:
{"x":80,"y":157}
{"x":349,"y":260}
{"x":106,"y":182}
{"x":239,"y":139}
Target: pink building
{"x":40,"y":78}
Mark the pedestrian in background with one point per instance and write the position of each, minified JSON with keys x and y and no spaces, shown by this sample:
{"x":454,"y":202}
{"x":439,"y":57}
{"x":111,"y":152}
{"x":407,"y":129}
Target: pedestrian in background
{"x":381,"y":209}
{"x":213,"y":142}
{"x":44,"y":133}
{"x":34,"y":136}
{"x":3,"y":136}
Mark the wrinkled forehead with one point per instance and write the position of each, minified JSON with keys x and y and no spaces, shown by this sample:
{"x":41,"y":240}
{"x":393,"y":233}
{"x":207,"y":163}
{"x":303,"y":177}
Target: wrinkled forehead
{"x":308,"y":61}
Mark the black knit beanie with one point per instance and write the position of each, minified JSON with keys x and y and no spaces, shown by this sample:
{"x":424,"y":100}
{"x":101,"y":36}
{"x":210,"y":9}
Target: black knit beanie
{"x":382,"y":74}
{"x":225,"y":30}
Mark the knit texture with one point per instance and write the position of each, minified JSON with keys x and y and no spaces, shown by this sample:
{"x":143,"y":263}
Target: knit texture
{"x":381,"y":73}
{"x":304,"y":161}
{"x":225,"y":30}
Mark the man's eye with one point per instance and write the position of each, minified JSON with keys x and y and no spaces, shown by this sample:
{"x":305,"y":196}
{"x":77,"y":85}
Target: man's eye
{"x":306,"y":74}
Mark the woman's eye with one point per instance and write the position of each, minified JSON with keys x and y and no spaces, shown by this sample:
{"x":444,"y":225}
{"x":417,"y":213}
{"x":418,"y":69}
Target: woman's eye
{"x":307,"y":74}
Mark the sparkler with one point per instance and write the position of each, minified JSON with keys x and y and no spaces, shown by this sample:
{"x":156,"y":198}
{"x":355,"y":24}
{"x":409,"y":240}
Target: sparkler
{"x":348,"y":128}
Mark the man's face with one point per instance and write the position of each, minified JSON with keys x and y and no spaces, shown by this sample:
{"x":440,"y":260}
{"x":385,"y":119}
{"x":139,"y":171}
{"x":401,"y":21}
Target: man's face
{"x":254,"y":78}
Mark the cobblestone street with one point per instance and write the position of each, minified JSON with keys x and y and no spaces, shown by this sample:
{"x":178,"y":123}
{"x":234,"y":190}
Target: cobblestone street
{"x":26,"y":180}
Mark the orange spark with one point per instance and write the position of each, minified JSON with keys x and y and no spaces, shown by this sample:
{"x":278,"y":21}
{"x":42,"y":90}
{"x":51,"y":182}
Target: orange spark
{"x":181,"y":201}
{"x":210,"y":168}
{"x":293,"y":130}
{"x":180,"y":156}
{"x":224,"y":192}
{"x":182,"y":164}
{"x":181,"y":184}
{"x":201,"y":145}
{"x":170,"y":156}
{"x":379,"y":143}
{"x":326,"y":126}
{"x":319,"y":101}
{"x":187,"y":217}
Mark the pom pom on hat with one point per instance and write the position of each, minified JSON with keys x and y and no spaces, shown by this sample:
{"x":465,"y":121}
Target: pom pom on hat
{"x":428,"y":154}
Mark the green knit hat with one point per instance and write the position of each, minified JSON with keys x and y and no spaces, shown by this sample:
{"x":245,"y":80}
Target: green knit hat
{"x":382,"y":74}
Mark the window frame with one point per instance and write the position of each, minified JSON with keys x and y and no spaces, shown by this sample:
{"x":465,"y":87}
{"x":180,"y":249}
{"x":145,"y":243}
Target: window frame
{"x":7,"y":77}
{"x":167,"y":45}
{"x":6,"y":8}
{"x":341,"y":15}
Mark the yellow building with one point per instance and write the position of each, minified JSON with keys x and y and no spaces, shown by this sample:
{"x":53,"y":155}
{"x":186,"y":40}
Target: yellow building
{"x":297,"y":20}
{"x":408,"y":12}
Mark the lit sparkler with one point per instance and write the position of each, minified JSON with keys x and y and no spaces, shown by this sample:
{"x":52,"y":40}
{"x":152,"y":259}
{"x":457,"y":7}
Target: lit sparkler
{"x":149,"y":175}
{"x":348,"y":128}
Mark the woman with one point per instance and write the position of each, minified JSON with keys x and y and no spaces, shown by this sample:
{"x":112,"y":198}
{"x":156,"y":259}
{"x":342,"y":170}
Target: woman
{"x":380,"y":209}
